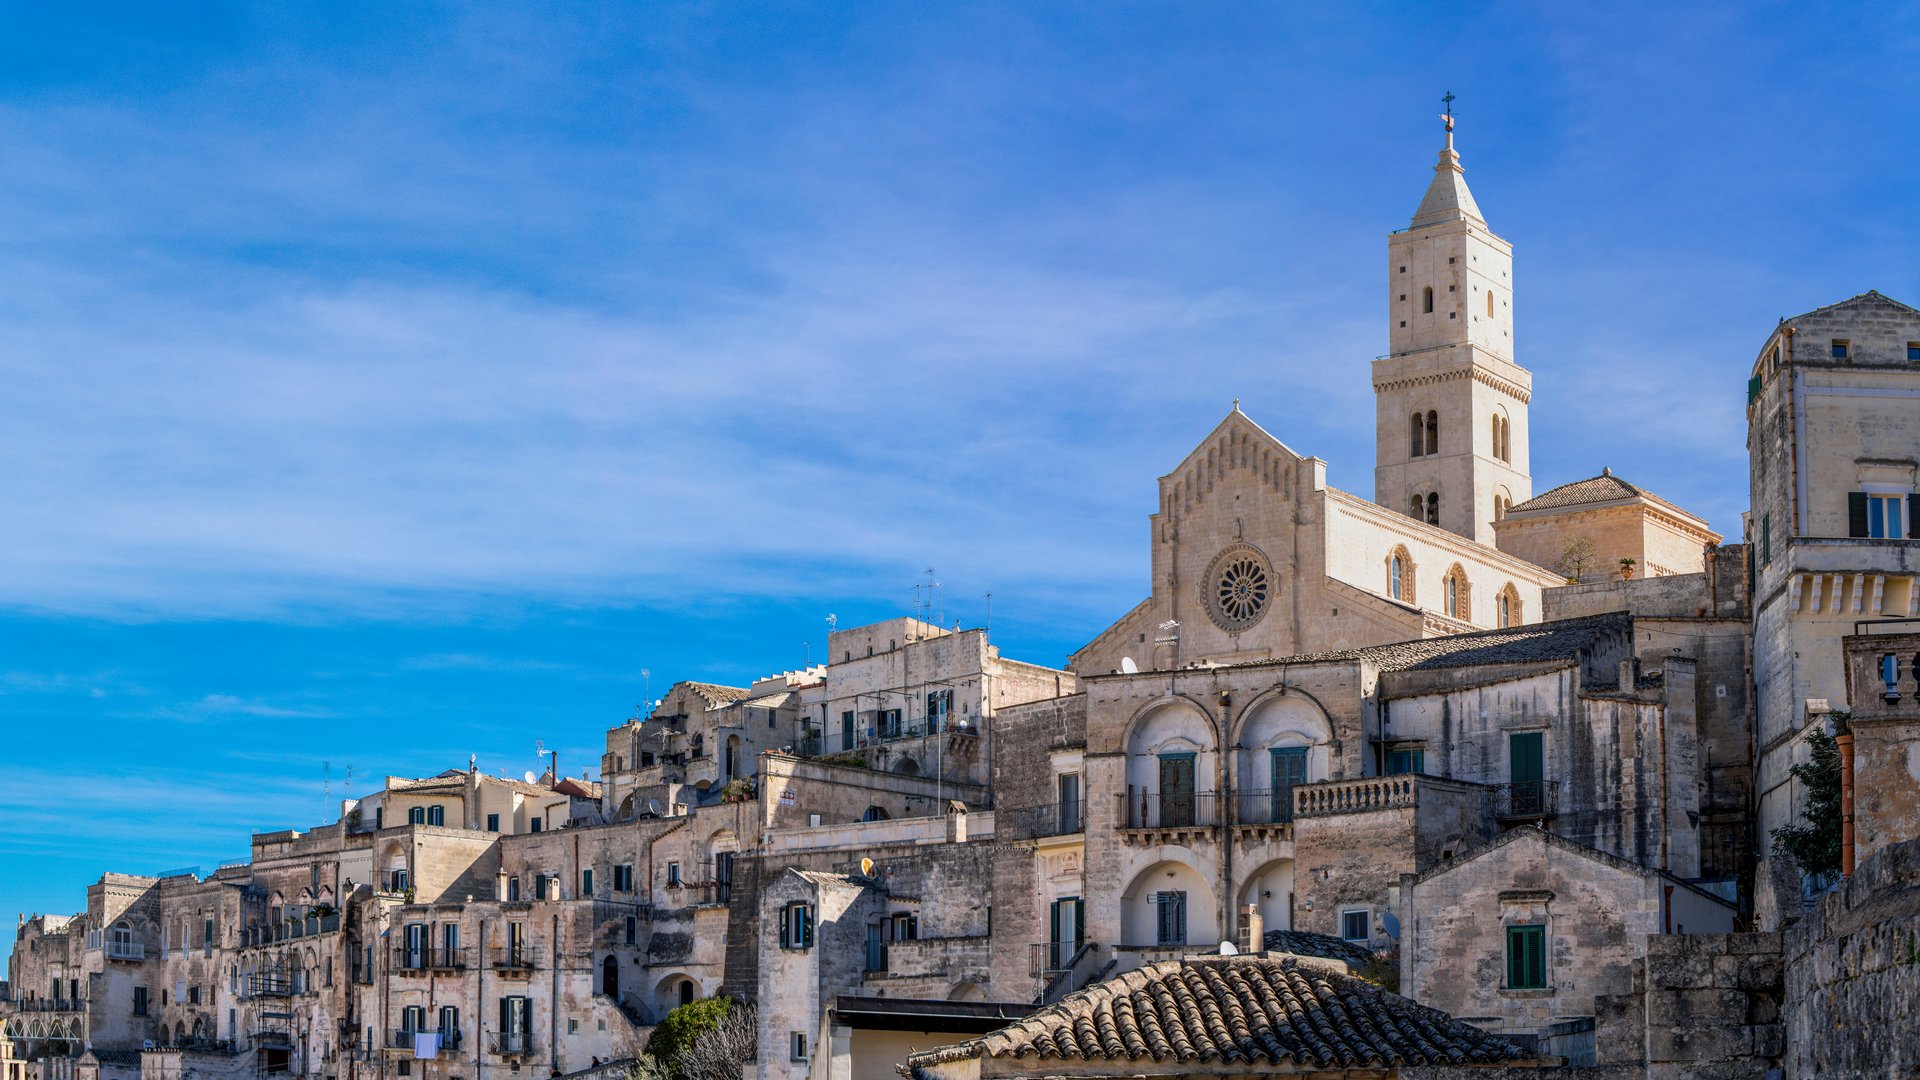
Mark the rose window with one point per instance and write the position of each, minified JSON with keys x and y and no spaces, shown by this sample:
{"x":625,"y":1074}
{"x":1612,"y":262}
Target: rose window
{"x":1240,"y":590}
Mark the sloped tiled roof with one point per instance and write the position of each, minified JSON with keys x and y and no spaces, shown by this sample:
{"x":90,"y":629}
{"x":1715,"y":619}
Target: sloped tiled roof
{"x":1234,"y":1009}
{"x":1604,"y":488}
{"x":716,"y":695}
{"x":1870,"y":297}
{"x":1307,"y":943}
{"x":1558,"y":640}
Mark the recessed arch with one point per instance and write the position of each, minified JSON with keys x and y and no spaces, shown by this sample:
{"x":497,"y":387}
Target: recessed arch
{"x":1508,"y":605}
{"x":1170,"y":904}
{"x":1456,"y":594}
{"x":1399,"y":571}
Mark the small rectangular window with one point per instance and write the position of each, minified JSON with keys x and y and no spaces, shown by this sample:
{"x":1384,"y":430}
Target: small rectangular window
{"x":796,"y":926}
{"x":1913,"y":352}
{"x":799,"y":1050}
{"x":586,"y":882}
{"x":1842,"y":348}
{"x":416,"y":815}
{"x":1401,"y":762}
{"x":1526,"y":957}
{"x":537,"y":823}
{"x":1356,"y":925}
{"x":673,"y":875}
{"x":633,"y":928}
{"x":493,"y":822}
{"x":436,"y":815}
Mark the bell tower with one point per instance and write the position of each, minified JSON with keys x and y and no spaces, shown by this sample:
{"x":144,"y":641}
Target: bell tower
{"x":1450,"y":402}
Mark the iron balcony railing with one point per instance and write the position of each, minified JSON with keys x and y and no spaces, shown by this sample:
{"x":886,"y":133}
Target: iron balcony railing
{"x":1526,"y":799}
{"x":507,"y":1043}
{"x":126,"y":950}
{"x":429,"y":959}
{"x":1046,"y":959}
{"x":515,"y":956}
{"x":394,"y":881}
{"x":1053,"y":819}
{"x":269,"y":985}
{"x":1163,"y":810}
{"x":404,"y":1038}
{"x":1263,"y":807}
{"x":48,"y":1005}
{"x":270,"y":933}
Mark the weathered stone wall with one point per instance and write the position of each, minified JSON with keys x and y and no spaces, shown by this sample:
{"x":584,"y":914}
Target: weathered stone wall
{"x":1713,"y":1006}
{"x":1853,"y":974}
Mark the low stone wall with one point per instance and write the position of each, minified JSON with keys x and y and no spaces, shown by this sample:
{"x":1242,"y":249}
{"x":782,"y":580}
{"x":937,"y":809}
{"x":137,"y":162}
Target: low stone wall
{"x":1712,"y":1005}
{"x":1853,"y":973}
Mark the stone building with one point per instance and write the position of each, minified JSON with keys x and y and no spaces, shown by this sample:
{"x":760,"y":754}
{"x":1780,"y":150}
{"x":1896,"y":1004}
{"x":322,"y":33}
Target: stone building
{"x":1833,"y":442}
{"x":1528,"y":932}
{"x":1254,"y":554}
{"x":1631,"y":530}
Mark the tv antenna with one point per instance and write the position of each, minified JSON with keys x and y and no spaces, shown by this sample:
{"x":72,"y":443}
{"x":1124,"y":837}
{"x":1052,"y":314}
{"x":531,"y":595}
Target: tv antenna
{"x":988,"y":597}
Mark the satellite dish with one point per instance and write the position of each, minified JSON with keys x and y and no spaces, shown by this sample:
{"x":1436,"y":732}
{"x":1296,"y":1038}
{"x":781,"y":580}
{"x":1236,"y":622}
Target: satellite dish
{"x":1390,"y":924}
{"x":1128,"y":667}
{"x":1228,"y":948}
{"x":529,"y":776}
{"x":866,"y":867}
{"x":653,"y":807}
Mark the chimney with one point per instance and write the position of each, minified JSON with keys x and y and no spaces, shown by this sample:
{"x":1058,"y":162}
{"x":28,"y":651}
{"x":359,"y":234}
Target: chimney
{"x":1256,"y":930}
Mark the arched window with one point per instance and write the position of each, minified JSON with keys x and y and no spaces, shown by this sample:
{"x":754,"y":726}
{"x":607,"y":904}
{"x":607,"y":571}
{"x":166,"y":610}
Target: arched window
{"x":875,"y":813}
{"x":1458,"y":594}
{"x":1400,"y":575}
{"x":1433,"y":508}
{"x":1419,"y":431}
{"x":1499,"y":507}
{"x":1502,"y":437}
{"x":1417,"y":506}
{"x":1509,"y":606}
{"x":1489,"y":303}
{"x":1433,"y":432}
{"x":1426,"y":300}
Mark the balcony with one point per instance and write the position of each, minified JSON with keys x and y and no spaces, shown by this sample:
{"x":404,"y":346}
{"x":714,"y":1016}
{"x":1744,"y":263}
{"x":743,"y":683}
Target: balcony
{"x":1365,"y":795}
{"x":1264,"y":815}
{"x":273,"y":933}
{"x":404,"y":1039}
{"x":424,"y":959}
{"x":1531,"y":800}
{"x":267,"y":986}
{"x":1150,"y":817}
{"x":1039,"y":822}
{"x":515,"y":958}
{"x":511,"y":1043}
{"x":395,"y":882}
{"x":38,"y":1005}
{"x":126,"y":950}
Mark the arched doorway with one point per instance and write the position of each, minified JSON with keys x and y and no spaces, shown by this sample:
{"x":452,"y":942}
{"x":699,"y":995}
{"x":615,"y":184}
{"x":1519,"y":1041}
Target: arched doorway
{"x":610,"y":977}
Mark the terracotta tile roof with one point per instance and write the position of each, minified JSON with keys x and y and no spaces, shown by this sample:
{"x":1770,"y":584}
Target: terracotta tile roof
{"x":1594,"y":490}
{"x":1236,"y":1009}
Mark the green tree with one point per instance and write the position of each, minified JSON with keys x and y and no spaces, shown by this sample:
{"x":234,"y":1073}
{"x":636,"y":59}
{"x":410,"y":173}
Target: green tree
{"x":1575,"y":556}
{"x":679,"y":1028}
{"x":1816,"y":844}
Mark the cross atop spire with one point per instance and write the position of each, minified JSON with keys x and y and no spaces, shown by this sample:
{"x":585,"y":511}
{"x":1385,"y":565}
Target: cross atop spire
{"x":1447,"y":197}
{"x":1447,"y":116}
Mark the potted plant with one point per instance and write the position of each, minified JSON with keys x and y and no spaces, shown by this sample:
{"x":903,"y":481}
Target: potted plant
{"x":737,"y":791}
{"x":1626,"y":569}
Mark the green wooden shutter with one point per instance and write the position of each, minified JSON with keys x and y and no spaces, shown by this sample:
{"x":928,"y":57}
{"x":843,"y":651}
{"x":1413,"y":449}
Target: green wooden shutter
{"x":1856,"y":513}
{"x":806,"y":926}
{"x":1524,"y":757}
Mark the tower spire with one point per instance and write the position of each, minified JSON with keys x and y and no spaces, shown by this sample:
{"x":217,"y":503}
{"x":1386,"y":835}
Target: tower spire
{"x":1447,"y":197}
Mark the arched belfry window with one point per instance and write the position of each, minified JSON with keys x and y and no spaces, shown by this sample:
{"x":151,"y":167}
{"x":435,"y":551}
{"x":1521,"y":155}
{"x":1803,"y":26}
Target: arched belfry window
{"x":1418,"y":429}
{"x":1499,"y":507}
{"x":1417,"y":507}
{"x":1433,"y":508}
{"x":1433,"y":432}
{"x":1502,"y":437}
{"x":1426,"y":299}
{"x":1489,"y":303}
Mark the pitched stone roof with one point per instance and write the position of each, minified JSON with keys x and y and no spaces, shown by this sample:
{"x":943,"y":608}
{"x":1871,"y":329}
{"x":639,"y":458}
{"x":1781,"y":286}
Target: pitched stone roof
{"x":1604,"y":488}
{"x":1870,"y":297}
{"x":1234,"y":1009}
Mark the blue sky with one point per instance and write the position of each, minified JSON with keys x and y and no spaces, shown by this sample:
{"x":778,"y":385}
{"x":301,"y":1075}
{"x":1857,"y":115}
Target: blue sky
{"x":384,"y":386}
